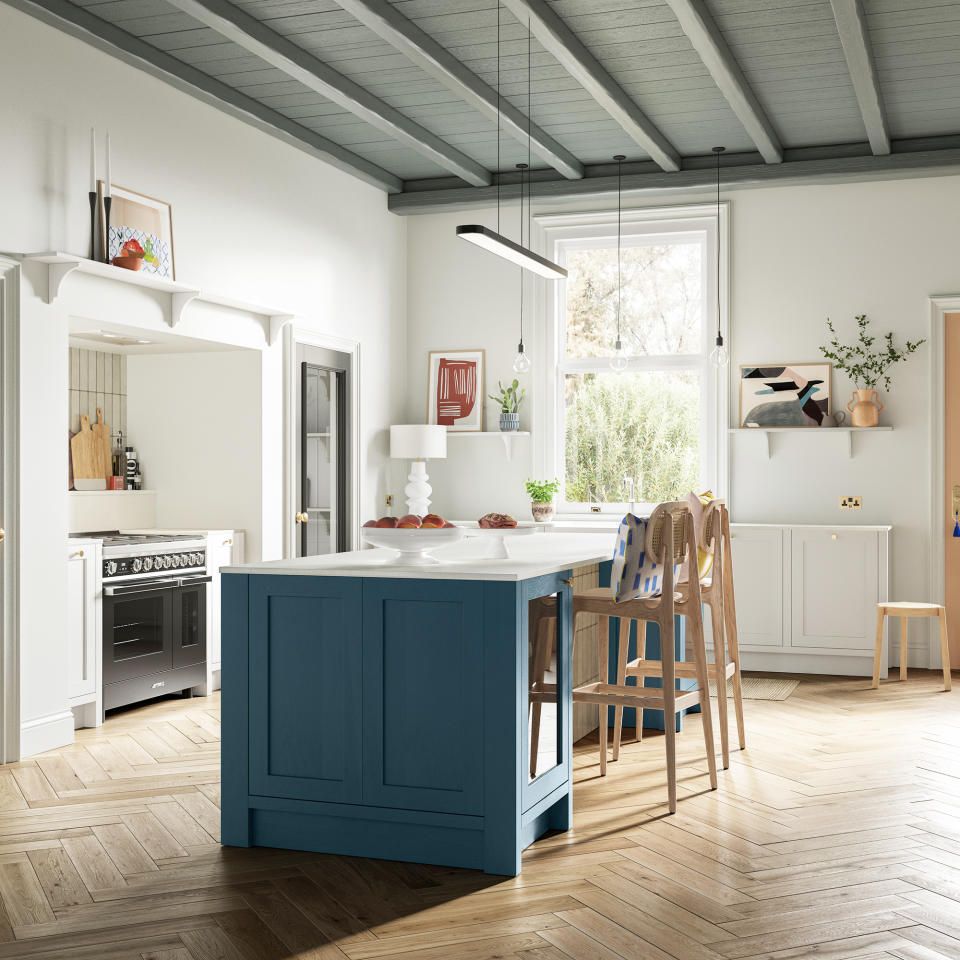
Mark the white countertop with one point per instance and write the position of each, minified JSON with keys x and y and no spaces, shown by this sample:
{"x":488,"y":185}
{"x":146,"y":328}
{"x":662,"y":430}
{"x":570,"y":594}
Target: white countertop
{"x":466,"y":560}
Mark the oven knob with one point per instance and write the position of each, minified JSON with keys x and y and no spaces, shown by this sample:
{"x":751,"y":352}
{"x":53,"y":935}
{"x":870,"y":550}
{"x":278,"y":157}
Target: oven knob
{"x":148,"y":563}
{"x":111,"y":567}
{"x":181,"y":560}
{"x":137,"y":565}
{"x":164,"y":562}
{"x":199,"y":559}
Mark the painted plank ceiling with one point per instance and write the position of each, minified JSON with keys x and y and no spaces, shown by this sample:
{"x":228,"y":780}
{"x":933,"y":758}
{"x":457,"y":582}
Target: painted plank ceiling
{"x":789,"y":52}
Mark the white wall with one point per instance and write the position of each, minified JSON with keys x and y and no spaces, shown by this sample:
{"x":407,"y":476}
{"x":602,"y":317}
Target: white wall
{"x":201,"y":448}
{"x":254,"y":219}
{"x":799,"y":255}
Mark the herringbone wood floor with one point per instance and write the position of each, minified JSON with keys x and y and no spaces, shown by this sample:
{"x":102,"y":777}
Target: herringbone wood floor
{"x":836,"y":834}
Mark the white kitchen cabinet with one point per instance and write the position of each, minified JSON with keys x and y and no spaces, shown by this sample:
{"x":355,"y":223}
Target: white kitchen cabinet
{"x":84,"y":621}
{"x":807,"y":596}
{"x":834,"y":589}
{"x":224,"y":548}
{"x":758,"y":560}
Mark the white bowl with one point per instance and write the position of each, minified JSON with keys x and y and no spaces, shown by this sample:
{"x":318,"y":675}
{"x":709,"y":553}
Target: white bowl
{"x":414,"y":546}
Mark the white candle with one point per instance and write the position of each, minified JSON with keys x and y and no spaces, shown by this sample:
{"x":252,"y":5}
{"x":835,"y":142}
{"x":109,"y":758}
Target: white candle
{"x":93,"y":160}
{"x":107,"y":191}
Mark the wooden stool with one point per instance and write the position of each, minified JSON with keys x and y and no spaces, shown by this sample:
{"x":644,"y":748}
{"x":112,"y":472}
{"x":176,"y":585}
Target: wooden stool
{"x":716,"y":592}
{"x":905,"y":611}
{"x":671,"y":539}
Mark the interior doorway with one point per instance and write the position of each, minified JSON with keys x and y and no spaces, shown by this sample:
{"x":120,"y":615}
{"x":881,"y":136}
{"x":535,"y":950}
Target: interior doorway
{"x":9,"y":510}
{"x":951,"y":480}
{"x":323,"y":458}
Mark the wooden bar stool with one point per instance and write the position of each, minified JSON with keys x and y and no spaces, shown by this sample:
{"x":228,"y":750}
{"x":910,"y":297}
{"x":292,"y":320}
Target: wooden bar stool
{"x":670,"y":542}
{"x":905,"y":611}
{"x":716,"y":592}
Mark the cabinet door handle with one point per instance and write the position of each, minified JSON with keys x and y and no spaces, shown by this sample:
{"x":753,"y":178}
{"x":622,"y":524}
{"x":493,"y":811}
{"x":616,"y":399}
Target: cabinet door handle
{"x":228,"y":541}
{"x":833,"y":536}
{"x":3,"y":534}
{"x":77,"y":555}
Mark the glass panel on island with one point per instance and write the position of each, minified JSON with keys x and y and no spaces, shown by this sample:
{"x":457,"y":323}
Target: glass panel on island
{"x":544,"y":736}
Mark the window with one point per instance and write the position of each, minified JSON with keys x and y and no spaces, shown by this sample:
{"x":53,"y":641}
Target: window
{"x":654,"y":425}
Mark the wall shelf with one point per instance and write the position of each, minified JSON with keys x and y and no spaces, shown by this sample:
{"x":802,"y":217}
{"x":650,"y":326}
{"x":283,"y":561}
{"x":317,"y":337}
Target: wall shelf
{"x":508,"y":436}
{"x":112,"y":493}
{"x":844,"y":432}
{"x":62,"y":265}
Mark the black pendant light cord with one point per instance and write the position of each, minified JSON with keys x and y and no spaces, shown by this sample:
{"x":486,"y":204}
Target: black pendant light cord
{"x":718,"y":151}
{"x":619,"y":277}
{"x":499,"y":115}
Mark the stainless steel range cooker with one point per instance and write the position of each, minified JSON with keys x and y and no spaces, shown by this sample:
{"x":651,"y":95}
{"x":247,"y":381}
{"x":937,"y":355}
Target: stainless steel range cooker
{"x":154,"y":614}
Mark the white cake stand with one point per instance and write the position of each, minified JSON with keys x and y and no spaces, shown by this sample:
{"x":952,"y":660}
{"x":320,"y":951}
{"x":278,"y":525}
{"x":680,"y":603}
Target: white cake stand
{"x":414,"y":546}
{"x":498,"y":537}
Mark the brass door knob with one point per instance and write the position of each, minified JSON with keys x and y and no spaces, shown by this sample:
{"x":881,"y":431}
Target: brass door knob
{"x":302,"y":518}
{"x":3,"y":533}
{"x":78,"y":554}
{"x":228,"y":541}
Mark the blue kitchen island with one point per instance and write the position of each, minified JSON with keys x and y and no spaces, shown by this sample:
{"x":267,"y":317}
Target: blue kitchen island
{"x":380,"y":710}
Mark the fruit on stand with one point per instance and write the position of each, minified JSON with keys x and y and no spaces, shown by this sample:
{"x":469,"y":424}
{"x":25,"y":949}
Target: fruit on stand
{"x":411,"y":521}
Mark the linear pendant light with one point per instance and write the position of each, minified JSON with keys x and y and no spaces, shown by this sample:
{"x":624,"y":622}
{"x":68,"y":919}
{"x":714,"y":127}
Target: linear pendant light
{"x":718,"y":356}
{"x":493,"y":240}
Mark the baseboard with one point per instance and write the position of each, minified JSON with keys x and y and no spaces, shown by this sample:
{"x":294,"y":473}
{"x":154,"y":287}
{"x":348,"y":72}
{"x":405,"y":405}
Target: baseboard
{"x":838,"y":666}
{"x":46,"y":733}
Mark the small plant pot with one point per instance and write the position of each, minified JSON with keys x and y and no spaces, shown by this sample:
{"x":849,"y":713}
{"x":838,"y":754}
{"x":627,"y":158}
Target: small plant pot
{"x":542,"y":512}
{"x":509,"y":422}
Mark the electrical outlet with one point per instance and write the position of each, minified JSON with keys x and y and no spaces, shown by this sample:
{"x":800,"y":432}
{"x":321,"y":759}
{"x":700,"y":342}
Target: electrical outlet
{"x":851,"y":503}
{"x":388,"y":499}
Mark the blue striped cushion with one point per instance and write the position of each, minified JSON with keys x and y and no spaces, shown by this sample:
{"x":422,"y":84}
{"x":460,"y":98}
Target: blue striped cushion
{"x":634,"y":574}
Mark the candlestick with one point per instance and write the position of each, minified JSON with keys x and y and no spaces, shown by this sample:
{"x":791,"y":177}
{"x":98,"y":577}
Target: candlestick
{"x":108,"y":192}
{"x":106,"y":229}
{"x":93,"y":224}
{"x":93,"y":160}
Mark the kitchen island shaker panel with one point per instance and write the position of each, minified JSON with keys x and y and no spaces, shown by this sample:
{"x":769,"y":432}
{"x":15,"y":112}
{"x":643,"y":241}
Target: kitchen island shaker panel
{"x":384,"y":715}
{"x":305,"y":697}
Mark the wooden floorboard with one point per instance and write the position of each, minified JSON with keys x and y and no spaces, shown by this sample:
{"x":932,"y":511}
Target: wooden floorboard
{"x":835,"y":835}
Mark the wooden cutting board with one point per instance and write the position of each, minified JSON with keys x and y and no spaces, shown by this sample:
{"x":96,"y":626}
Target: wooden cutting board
{"x":87,"y":454}
{"x":102,"y":432}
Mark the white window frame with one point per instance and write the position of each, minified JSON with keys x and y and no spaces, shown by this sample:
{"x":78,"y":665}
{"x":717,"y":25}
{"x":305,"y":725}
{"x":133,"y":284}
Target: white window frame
{"x":558,"y":234}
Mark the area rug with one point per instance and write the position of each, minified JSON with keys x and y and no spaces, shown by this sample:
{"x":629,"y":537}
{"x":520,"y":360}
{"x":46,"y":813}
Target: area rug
{"x":761,"y":688}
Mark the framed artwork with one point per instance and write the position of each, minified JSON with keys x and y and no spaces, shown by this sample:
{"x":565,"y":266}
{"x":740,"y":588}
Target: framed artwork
{"x":140,"y":219}
{"x":780,"y":395}
{"x":455,"y":390}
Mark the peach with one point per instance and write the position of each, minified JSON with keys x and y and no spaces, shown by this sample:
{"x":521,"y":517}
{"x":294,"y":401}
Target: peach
{"x":387,"y":523}
{"x":370,"y":523}
{"x":410,"y":520}
{"x":434,"y":520}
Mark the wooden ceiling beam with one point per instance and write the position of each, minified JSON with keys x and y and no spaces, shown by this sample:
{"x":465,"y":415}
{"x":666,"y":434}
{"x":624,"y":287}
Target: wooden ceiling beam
{"x":711,"y":46}
{"x":420,"y":48}
{"x":556,"y":37}
{"x":855,"y":39}
{"x":253,"y":35}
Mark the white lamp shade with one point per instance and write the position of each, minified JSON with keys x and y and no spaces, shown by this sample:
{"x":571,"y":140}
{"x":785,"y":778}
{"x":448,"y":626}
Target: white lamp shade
{"x":418,"y":441}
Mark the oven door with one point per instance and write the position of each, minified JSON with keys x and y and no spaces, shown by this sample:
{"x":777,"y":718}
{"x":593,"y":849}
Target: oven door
{"x":138,"y":621}
{"x":190,"y":621}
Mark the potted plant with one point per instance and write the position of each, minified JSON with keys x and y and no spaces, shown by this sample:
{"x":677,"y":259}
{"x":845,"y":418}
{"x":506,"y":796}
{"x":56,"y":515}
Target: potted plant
{"x":866,"y":366}
{"x":541,"y":494}
{"x":509,"y":399}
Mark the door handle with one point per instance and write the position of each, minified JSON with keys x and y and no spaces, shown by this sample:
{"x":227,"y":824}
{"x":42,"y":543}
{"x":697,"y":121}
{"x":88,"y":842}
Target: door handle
{"x":302,"y":518}
{"x":3,"y":534}
{"x":77,"y":555}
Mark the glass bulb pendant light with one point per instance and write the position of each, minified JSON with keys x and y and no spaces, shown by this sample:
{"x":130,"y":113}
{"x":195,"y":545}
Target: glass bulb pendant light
{"x":521,"y":362}
{"x":718,"y":356}
{"x":619,"y":360}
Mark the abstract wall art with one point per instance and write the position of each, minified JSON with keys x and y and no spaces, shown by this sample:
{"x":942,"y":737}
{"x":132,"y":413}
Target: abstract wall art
{"x":780,"y":395}
{"x":455,"y":390}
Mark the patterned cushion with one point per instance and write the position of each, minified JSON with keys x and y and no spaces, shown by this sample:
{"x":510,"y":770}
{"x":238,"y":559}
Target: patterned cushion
{"x":634,"y":574}
{"x":697,"y":505}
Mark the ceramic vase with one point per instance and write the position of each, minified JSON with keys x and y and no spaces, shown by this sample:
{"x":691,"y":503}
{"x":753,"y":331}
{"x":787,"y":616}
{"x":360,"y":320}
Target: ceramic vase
{"x":542,"y":512}
{"x":864,"y":407}
{"x":509,"y":422}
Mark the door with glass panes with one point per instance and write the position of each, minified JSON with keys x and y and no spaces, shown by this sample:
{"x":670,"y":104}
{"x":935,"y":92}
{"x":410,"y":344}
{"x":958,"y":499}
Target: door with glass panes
{"x":323,"y":411}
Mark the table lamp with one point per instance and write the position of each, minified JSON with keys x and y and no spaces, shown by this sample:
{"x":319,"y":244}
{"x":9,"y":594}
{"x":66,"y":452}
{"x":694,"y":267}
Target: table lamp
{"x":418,"y":442}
